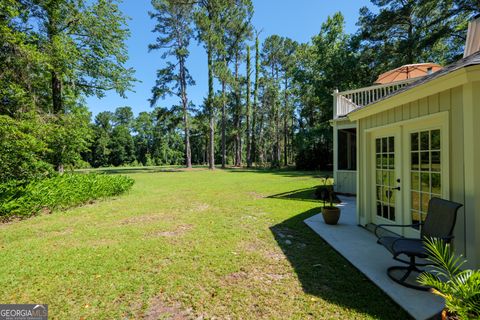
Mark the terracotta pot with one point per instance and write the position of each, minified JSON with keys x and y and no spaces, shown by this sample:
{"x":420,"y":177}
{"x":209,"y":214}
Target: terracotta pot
{"x":331,"y":214}
{"x":448,"y":316}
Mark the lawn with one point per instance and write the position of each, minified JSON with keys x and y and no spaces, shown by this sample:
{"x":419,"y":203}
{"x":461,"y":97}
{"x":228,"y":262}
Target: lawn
{"x":188,"y":244}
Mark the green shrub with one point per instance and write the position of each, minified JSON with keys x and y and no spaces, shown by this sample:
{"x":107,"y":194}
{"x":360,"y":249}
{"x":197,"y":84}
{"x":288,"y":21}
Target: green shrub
{"x":21,"y":151}
{"x":61,"y":192}
{"x":460,"y":288}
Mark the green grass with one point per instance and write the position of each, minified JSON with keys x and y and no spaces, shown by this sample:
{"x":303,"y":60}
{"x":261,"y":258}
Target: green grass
{"x":223,"y":244}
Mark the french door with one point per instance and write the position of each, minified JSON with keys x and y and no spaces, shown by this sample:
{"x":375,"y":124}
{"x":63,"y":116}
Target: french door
{"x":409,"y":167}
{"x":387,"y":177}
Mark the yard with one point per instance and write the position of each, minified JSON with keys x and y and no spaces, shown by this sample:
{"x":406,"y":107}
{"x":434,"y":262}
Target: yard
{"x":188,"y":244}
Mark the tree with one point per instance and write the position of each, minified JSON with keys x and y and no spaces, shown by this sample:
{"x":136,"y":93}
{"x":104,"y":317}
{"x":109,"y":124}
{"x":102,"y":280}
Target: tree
{"x":253,"y":154}
{"x":174,"y":20}
{"x":239,"y":31}
{"x":272,"y":55}
{"x":144,"y":128}
{"x":22,"y":65}
{"x":69,"y":135}
{"x":248,"y":112}
{"x":209,"y":31}
{"x":102,"y":132}
{"x":84,"y":44}
{"x":123,"y":116}
{"x":122,"y":148}
{"x":22,"y":151}
{"x":408,"y":31}
{"x":233,"y":28}
{"x":326,"y":64}
{"x":288,"y":64}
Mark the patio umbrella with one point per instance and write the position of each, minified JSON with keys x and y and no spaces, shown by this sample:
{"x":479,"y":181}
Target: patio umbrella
{"x":408,"y":71}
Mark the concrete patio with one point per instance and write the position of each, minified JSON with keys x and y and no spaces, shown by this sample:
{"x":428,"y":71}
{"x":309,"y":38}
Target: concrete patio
{"x":359,"y":247}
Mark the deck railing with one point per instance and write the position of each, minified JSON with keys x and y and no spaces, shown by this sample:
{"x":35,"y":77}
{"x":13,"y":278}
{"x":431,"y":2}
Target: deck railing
{"x":347,"y":101}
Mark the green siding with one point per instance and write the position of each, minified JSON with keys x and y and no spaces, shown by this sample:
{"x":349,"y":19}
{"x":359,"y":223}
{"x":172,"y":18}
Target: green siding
{"x":450,"y":101}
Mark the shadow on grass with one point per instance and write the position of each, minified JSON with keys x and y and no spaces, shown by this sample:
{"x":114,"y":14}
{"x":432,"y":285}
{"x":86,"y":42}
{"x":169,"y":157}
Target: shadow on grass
{"x":286,"y":172}
{"x":126,"y":170}
{"x":305,"y":194}
{"x":326,"y":274}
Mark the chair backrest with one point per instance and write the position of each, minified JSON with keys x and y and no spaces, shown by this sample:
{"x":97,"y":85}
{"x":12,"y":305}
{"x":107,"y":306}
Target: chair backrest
{"x":440,"y":219}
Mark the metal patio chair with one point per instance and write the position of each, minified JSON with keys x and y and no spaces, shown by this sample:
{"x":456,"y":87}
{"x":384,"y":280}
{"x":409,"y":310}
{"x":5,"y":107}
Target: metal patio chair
{"x":439,"y":223}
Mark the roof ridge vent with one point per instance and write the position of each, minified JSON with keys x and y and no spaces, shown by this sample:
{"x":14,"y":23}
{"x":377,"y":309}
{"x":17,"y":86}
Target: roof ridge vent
{"x":473,"y":37}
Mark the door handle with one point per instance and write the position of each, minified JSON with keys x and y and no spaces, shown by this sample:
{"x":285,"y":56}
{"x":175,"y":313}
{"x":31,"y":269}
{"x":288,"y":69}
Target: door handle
{"x":397,"y":188}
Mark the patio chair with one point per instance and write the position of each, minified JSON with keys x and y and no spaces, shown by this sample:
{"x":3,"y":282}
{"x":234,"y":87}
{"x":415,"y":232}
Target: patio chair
{"x":439,"y":223}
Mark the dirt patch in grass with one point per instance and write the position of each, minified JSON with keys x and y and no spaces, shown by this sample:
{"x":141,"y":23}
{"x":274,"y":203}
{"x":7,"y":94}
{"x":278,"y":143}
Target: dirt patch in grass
{"x":141,"y":219}
{"x":178,"y":231}
{"x":249,"y":277}
{"x":200,"y":207}
{"x":257,"y":246}
{"x":256,"y":195}
{"x":63,"y":232}
{"x":160,"y":309}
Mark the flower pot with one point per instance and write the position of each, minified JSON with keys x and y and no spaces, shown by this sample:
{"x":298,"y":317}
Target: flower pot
{"x":331,"y":214}
{"x":448,"y":316}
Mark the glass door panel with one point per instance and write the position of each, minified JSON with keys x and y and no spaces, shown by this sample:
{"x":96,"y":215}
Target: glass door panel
{"x":385,"y":177}
{"x":425,"y":171}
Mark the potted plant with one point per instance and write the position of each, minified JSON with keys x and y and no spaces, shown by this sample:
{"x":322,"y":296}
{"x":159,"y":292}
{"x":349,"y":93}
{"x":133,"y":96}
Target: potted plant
{"x":330,"y":213}
{"x":460,"y":288}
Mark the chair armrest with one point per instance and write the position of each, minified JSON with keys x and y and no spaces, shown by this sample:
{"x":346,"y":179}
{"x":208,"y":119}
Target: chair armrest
{"x":394,"y":225}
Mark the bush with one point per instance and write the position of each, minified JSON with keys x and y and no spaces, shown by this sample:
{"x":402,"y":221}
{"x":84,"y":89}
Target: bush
{"x":21,"y":151}
{"x":19,"y":199}
{"x":460,"y":288}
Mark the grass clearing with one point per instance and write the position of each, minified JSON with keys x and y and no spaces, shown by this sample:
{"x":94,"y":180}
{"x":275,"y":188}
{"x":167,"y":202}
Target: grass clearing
{"x":188,"y":244}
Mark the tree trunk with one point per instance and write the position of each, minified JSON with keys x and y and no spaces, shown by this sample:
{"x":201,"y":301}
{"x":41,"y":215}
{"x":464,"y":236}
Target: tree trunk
{"x":249,"y":146}
{"x":224,"y":127}
{"x":292,"y":138}
{"x":183,"y":89}
{"x":56,"y":93}
{"x":238,"y":112}
{"x":285,"y":126}
{"x":255,"y":102}
{"x":211,"y":147}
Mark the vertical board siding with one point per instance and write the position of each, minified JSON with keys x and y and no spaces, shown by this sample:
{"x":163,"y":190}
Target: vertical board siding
{"x":346,"y":182}
{"x":423,"y":107}
{"x":457,"y":175}
{"x":433,"y":104}
{"x":448,"y":100}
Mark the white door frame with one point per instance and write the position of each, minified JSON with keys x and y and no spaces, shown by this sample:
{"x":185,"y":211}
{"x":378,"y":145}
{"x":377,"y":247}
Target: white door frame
{"x":396,"y":133}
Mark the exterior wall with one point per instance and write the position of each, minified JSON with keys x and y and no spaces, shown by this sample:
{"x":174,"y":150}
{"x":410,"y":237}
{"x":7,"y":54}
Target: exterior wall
{"x":458,"y":104}
{"x":471,"y":123}
{"x":345,"y":180}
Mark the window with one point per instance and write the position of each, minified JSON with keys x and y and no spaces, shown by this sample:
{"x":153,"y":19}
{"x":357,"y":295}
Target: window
{"x":347,"y":149}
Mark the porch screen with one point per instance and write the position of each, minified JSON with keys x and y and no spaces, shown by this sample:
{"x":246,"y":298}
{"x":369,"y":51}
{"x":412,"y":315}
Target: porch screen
{"x":347,"y":149}
{"x":425,"y":171}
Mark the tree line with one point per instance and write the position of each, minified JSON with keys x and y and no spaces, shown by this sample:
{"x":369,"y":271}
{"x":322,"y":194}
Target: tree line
{"x":268,"y":101}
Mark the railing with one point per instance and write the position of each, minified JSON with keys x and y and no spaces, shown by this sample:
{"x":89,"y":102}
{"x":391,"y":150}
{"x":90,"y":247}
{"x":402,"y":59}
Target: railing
{"x":347,"y":101}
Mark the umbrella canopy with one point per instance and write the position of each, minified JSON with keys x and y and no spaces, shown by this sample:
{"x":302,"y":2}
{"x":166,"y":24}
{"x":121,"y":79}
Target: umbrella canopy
{"x":408,"y":71}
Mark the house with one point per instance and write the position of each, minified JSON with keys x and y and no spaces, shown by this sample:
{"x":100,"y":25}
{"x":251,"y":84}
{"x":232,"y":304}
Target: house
{"x":397,"y":144}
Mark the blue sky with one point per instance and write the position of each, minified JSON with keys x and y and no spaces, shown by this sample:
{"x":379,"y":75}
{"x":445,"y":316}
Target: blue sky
{"x":297,"y":19}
